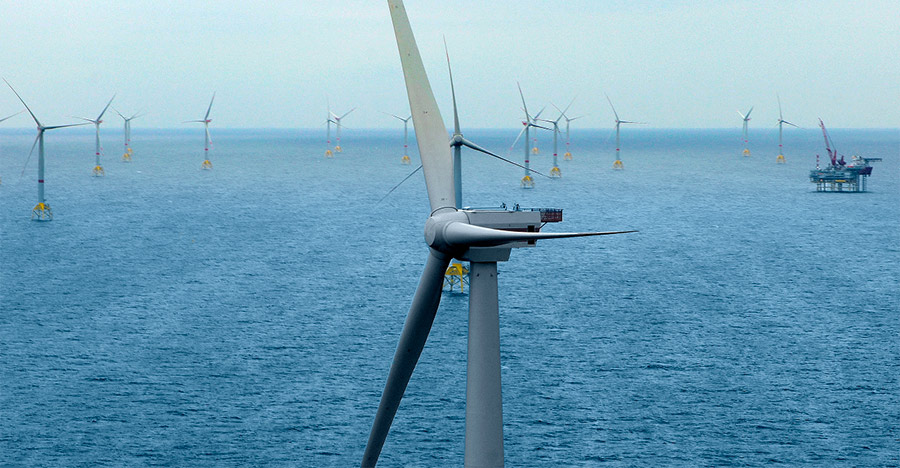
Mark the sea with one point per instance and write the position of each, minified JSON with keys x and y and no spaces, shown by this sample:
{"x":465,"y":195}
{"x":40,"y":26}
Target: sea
{"x":247,"y":315}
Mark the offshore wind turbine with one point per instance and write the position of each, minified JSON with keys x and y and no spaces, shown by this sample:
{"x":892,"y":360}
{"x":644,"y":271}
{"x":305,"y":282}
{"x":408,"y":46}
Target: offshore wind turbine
{"x":7,"y":118}
{"x":781,"y":121}
{"x":98,"y":169}
{"x":41,"y":211}
{"x":527,"y":181}
{"x":568,"y":155}
{"x":555,"y":172}
{"x":126,"y":156}
{"x":405,"y":158}
{"x":337,"y":122}
{"x":328,"y":122}
{"x":483,"y":237}
{"x":618,"y":163}
{"x":205,"y":121}
{"x":746,"y":118}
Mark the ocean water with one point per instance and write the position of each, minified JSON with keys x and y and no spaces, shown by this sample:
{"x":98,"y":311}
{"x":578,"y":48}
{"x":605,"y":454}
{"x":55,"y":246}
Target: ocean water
{"x":247,"y":316}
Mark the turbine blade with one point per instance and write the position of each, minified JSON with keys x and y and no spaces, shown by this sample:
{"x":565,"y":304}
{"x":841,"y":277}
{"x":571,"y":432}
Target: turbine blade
{"x":192,"y":121}
{"x":210,"y":106}
{"x":516,"y":141}
{"x":792,"y":125}
{"x":7,"y":118}
{"x":464,"y":234}
{"x":452,"y":89}
{"x":107,"y":107}
{"x":475,"y":147}
{"x":431,"y":134}
{"x":348,"y":112}
{"x":38,"y":137}
{"x":412,"y":341}
{"x":538,"y":126}
{"x":748,"y":113}
{"x":563,"y":112}
{"x":525,"y":107}
{"x":401,"y":183}
{"x":38,"y":122}
{"x":120,"y":114}
{"x":611,"y":105}
{"x":744,"y":117}
{"x":69,"y":125}
{"x":779,"y":106}
{"x":539,"y":113}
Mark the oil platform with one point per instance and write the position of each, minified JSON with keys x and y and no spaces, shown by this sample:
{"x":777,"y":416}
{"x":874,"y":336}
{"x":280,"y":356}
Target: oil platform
{"x":839,"y":175}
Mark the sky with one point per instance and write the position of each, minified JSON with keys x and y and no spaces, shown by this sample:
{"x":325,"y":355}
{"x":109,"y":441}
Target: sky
{"x":279,"y":64}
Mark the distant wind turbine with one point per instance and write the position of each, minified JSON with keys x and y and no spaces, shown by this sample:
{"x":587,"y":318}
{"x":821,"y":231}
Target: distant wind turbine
{"x":337,"y":122}
{"x":41,"y":211}
{"x":618,"y":163}
{"x":7,"y":118}
{"x":568,"y":155}
{"x":405,"y":158}
{"x":126,"y":157}
{"x":527,"y":181}
{"x":328,"y":122}
{"x":746,"y":118}
{"x":98,"y":169}
{"x":483,"y":237}
{"x":555,"y":172}
{"x":781,"y":121}
{"x":205,"y":121}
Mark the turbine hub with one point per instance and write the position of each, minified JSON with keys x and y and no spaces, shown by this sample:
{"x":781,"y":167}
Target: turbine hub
{"x":435,"y":230}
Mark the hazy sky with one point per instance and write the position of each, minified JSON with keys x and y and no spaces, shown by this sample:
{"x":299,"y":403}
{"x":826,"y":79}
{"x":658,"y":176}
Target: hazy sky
{"x":273,"y":63}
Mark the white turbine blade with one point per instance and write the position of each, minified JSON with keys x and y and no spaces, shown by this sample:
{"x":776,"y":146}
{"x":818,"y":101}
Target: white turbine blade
{"x":538,"y":126}
{"x":120,"y":114}
{"x":208,"y":138}
{"x":452,"y":89}
{"x":780,"y":116}
{"x":210,"y":106}
{"x":792,"y":125}
{"x":524,"y":106}
{"x":100,"y":117}
{"x":69,"y":125}
{"x":470,"y":235}
{"x":475,"y":147}
{"x":401,"y":183}
{"x":743,"y":117}
{"x":7,"y":118}
{"x":412,"y":341}
{"x":613,"y":107}
{"x":431,"y":135}
{"x":516,"y":141}
{"x":193,"y":121}
{"x":38,"y":137}
{"x":539,"y":113}
{"x":38,"y":122}
{"x":347,"y":113}
{"x":747,"y":117}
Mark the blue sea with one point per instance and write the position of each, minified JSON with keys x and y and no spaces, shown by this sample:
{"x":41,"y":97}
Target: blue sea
{"x":248,"y":315}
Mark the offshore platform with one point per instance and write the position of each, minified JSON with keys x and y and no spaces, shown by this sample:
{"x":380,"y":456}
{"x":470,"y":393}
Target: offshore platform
{"x":840,"y":176}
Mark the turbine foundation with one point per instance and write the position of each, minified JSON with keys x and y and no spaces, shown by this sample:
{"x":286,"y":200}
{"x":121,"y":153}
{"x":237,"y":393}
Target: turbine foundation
{"x":457,"y":274}
{"x":126,"y":157}
{"x":206,"y":165}
{"x":746,"y":153}
{"x":42,"y":212}
{"x":527,"y":182}
{"x":337,"y":149}
{"x":618,"y":165}
{"x":405,"y":160}
{"x":98,"y":171}
{"x":555,"y":172}
{"x":329,"y":154}
{"x":567,"y":156}
{"x":780,"y":159}
{"x":535,"y":150}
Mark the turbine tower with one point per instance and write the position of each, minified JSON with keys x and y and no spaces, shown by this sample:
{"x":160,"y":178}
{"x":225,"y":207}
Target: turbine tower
{"x":555,"y":172}
{"x":328,"y":122}
{"x":98,"y":169}
{"x":568,"y":155}
{"x":337,"y":122}
{"x":618,"y":163}
{"x":405,"y":158}
{"x":527,"y":181}
{"x":781,"y":121}
{"x":483,"y":237}
{"x":126,"y":156}
{"x":41,"y":211}
{"x":746,"y":118}
{"x":205,"y":121}
{"x":7,"y":118}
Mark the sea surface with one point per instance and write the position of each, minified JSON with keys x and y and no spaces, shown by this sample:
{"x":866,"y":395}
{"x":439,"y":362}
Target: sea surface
{"x":247,"y":315}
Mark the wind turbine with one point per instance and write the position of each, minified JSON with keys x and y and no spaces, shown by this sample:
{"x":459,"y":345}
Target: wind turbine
{"x":7,"y":118}
{"x":126,"y":157}
{"x":483,"y":237}
{"x":98,"y":169}
{"x":746,"y":118}
{"x":405,"y":159}
{"x":337,"y":122}
{"x":555,"y":172}
{"x":205,"y":121}
{"x":527,"y":181}
{"x":328,"y":122}
{"x":568,"y":155}
{"x":41,"y":211}
{"x":781,"y":121}
{"x":618,"y":164}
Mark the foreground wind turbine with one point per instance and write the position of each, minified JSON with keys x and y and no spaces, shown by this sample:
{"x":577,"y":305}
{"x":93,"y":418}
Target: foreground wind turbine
{"x":746,"y":118}
{"x":7,"y":118}
{"x":555,"y":172}
{"x":483,"y":237}
{"x":527,"y":181}
{"x":337,"y":122}
{"x":41,"y":211}
{"x":205,"y":121}
{"x":126,"y":156}
{"x":781,"y":121}
{"x":405,"y":159}
{"x":98,"y":169}
{"x":618,"y":164}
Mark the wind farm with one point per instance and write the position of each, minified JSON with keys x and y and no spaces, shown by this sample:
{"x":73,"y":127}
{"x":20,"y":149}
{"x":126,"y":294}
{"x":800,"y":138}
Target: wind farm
{"x":409,"y":301}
